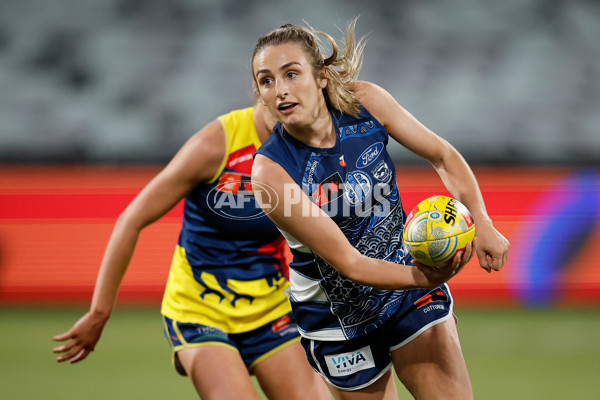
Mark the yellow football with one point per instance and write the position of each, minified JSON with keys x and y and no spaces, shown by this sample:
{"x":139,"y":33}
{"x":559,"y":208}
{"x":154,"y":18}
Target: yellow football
{"x":436,"y":229}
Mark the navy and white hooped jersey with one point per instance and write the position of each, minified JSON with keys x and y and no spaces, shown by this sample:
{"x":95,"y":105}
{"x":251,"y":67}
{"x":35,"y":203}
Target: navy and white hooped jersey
{"x":354,"y":182}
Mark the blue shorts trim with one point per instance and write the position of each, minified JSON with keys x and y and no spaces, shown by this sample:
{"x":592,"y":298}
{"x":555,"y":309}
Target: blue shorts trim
{"x":253,"y":346}
{"x":357,"y":363}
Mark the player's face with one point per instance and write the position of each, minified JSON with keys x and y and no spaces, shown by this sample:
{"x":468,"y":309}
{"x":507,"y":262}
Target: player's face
{"x":287,"y":85}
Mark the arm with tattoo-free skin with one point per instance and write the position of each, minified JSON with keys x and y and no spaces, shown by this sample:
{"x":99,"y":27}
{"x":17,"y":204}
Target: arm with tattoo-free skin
{"x":457,"y":176}
{"x":197,"y":161}
{"x":301,"y":219}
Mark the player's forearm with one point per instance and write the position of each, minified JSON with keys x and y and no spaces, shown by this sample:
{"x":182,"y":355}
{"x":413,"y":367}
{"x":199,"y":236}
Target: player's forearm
{"x":382,"y":274}
{"x":116,"y":260}
{"x":460,"y":181}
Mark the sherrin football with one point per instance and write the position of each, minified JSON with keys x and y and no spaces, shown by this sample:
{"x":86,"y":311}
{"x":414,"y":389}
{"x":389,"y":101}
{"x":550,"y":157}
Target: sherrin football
{"x":436,"y":229}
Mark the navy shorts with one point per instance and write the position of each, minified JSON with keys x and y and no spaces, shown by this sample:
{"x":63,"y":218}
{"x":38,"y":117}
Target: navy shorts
{"x":357,"y":363}
{"x":253,"y":346}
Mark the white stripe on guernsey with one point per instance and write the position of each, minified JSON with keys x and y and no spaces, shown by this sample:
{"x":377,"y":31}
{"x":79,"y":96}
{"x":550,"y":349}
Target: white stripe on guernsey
{"x":325,"y":335}
{"x":305,"y":289}
{"x":293,"y":243}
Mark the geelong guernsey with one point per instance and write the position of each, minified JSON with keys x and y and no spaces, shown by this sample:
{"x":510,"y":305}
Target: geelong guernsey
{"x":354,"y":182}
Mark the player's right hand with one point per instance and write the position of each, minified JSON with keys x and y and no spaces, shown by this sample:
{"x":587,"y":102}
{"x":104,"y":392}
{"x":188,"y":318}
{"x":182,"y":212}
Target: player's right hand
{"x":82,"y":337}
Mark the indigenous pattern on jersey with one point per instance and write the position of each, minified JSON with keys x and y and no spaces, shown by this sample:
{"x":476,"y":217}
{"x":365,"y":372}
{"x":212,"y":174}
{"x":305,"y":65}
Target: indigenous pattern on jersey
{"x":228,"y":270}
{"x":354,"y":182}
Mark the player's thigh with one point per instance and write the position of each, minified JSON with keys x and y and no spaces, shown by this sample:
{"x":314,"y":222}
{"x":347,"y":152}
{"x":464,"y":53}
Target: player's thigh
{"x":286,"y":374}
{"x":217,"y":372}
{"x":432,"y":365}
{"x":382,"y":389}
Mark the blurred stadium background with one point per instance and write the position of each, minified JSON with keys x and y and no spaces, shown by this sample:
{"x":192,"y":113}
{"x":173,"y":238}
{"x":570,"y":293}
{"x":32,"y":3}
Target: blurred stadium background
{"x":97,"y":95}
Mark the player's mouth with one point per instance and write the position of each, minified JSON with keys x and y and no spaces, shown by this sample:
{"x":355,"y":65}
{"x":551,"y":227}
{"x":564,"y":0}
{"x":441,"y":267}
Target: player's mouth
{"x":287,"y":107}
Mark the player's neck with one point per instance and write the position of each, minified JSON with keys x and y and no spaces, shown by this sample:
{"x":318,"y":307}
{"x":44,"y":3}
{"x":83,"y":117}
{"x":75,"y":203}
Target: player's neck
{"x":319,"y":133}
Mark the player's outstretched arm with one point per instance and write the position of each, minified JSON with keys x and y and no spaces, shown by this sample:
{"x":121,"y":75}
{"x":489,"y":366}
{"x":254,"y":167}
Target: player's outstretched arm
{"x":197,"y":161}
{"x":291,"y":209}
{"x":457,"y":176}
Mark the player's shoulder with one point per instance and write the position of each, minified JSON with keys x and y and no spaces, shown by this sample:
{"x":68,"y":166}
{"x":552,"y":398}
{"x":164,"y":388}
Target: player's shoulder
{"x":374,"y":98}
{"x":240,"y":113}
{"x":209,"y":135}
{"x":237,"y":119}
{"x":368,"y":91}
{"x":203,"y":153}
{"x":371,"y":95}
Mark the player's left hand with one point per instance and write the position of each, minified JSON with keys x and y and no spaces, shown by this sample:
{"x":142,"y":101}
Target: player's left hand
{"x":492,"y":247}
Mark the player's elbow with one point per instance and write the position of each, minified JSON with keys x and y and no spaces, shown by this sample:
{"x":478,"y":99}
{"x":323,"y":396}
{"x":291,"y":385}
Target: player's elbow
{"x":441,"y":154}
{"x":445,"y":156}
{"x":128,"y":222}
{"x":132,"y":219}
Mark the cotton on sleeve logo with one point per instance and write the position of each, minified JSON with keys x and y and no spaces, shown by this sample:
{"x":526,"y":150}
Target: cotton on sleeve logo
{"x":369,"y":156}
{"x":348,"y":363}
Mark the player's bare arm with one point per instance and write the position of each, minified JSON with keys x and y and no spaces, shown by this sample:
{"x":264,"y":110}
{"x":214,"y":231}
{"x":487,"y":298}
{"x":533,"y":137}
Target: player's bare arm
{"x":198,"y":160}
{"x":307,"y":223}
{"x":452,"y":168}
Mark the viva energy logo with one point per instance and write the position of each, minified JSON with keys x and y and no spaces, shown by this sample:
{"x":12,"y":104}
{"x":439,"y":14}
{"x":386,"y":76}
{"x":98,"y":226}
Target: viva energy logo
{"x":348,"y":363}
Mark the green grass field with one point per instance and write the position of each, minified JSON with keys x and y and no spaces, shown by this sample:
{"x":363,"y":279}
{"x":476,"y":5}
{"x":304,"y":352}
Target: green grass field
{"x":511,"y":354}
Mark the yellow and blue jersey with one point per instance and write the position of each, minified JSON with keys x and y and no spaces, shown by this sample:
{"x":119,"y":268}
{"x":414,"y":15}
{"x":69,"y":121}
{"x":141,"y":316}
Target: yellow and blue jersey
{"x":228,"y":270}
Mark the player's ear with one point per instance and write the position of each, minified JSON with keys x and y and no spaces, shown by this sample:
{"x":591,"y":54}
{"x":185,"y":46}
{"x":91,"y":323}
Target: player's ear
{"x":323,"y":78}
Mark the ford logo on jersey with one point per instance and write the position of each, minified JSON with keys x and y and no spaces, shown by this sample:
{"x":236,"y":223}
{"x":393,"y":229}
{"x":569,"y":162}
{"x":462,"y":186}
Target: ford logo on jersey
{"x":369,"y":156}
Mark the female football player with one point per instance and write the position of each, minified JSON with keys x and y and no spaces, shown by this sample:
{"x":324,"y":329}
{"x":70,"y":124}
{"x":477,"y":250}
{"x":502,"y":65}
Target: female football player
{"x":225,"y":308}
{"x":331,"y":187}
